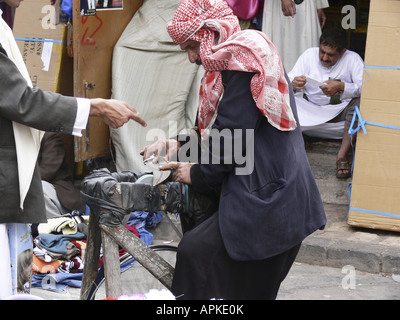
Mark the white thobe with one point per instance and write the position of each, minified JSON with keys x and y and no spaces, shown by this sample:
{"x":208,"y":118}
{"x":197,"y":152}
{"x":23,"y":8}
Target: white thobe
{"x":314,"y":113}
{"x":292,"y":36}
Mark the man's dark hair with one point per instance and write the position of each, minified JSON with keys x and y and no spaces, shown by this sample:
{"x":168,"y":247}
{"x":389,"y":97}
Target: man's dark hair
{"x":335,"y":38}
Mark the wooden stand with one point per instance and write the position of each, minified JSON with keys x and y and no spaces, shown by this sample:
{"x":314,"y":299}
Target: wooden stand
{"x":112,"y":237}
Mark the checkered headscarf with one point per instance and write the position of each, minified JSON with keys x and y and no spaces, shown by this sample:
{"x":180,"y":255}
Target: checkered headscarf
{"x":224,"y":47}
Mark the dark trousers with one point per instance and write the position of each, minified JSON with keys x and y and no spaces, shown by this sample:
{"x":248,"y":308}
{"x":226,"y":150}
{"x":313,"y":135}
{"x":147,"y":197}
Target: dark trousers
{"x":205,"y":271}
{"x":347,"y":114}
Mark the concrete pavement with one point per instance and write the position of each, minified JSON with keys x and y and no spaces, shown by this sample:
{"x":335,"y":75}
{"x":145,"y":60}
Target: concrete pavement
{"x":312,"y":282}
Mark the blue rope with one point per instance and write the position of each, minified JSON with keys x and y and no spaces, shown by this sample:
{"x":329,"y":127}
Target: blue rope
{"x":40,"y":40}
{"x":376,"y":212}
{"x":381,"y":67}
{"x":378,"y":67}
{"x":363,"y":122}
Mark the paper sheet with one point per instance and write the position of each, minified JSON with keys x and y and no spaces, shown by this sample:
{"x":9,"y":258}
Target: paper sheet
{"x":314,"y":82}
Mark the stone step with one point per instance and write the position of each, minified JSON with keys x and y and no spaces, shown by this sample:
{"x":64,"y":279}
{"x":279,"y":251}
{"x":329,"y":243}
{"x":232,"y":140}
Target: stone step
{"x":322,"y":157}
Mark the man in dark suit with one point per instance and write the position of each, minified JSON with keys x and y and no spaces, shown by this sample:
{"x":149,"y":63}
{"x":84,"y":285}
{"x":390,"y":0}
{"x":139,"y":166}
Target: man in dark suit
{"x":25,"y":113}
{"x":268,"y":203}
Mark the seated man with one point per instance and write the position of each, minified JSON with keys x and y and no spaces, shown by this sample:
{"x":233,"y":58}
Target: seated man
{"x":326,"y":109}
{"x":60,"y":194}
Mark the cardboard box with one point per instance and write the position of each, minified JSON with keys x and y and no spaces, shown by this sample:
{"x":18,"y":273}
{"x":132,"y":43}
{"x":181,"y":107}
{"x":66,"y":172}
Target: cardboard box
{"x":375,"y":189}
{"x":49,"y":66}
{"x":42,"y":43}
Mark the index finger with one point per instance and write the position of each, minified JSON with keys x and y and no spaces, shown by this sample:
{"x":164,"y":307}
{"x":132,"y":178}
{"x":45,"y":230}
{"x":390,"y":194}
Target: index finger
{"x":135,"y":116}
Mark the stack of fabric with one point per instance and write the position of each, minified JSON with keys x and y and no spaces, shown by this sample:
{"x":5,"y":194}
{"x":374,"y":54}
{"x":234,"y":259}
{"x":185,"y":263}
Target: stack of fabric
{"x":60,"y":246}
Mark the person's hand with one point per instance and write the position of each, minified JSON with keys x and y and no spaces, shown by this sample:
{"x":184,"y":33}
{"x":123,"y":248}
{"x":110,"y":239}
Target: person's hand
{"x":321,"y":17}
{"x":181,"y":173}
{"x":332,"y":87}
{"x":288,"y":8}
{"x":114,"y":113}
{"x":299,"y":83}
{"x":167,"y":147}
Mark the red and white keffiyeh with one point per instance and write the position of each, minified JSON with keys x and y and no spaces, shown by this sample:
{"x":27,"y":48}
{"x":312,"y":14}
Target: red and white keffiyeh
{"x":223,"y":46}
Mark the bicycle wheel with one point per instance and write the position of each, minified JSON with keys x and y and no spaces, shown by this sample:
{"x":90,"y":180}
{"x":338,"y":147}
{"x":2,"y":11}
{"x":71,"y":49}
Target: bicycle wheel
{"x":134,"y":277}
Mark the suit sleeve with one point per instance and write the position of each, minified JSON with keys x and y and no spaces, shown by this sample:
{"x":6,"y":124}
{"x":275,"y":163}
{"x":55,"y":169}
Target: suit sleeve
{"x":231,"y":138}
{"x":43,"y":110}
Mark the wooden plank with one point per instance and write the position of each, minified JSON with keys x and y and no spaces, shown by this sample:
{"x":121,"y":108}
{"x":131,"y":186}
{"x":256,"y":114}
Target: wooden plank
{"x":112,"y":270}
{"x":94,"y":38}
{"x":92,"y":256}
{"x":149,"y":259}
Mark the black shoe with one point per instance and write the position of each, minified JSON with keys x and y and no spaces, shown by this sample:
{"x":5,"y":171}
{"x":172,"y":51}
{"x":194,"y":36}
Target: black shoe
{"x":175,"y":194}
{"x":113,"y":196}
{"x":192,"y":207}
